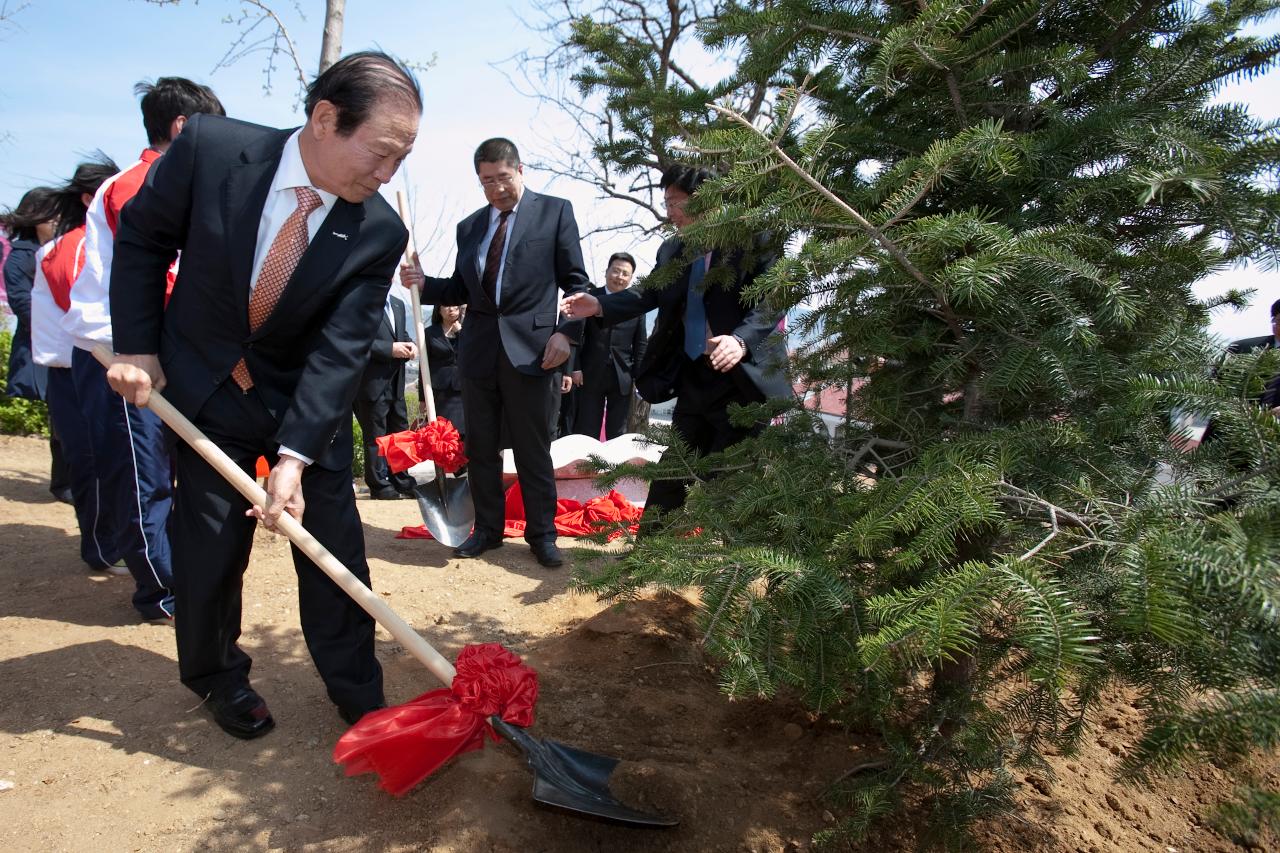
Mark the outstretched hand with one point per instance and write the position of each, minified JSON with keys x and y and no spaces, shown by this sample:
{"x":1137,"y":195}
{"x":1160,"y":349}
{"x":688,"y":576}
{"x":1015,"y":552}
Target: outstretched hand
{"x":577,"y":306}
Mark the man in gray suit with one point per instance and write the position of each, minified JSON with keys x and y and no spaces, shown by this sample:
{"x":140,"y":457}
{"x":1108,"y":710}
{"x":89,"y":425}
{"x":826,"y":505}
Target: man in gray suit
{"x":515,"y":256}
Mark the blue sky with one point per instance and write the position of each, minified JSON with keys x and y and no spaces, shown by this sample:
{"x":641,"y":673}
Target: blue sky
{"x":68,"y":69}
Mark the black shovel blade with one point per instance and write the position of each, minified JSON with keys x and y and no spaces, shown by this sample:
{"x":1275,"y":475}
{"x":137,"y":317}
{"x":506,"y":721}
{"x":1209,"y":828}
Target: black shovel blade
{"x":569,"y":778}
{"x":446,"y":508}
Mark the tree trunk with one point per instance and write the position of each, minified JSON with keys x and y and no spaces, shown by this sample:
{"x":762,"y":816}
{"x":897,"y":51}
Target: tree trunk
{"x":638,"y":417}
{"x":331,"y":41}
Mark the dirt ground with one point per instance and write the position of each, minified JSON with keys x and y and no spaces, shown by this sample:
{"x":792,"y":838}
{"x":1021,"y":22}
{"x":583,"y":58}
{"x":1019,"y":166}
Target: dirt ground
{"x":101,"y":749}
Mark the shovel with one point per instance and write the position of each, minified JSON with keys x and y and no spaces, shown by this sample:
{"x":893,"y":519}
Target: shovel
{"x":564,"y":777}
{"x":445,"y":502}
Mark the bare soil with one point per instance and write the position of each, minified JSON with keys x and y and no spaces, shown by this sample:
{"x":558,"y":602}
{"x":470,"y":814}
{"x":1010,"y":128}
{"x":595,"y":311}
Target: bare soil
{"x":102,"y":749}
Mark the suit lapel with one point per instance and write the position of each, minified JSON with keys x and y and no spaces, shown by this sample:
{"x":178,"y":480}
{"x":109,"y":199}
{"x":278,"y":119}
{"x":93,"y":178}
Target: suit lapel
{"x":244,"y":196}
{"x":401,"y":329}
{"x":320,"y":263}
{"x":471,"y":251}
{"x":530,"y":210}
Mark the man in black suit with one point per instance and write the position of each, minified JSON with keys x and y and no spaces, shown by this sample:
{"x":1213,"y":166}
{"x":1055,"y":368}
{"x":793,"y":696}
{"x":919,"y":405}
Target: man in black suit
{"x":515,"y":255}
{"x":287,"y":255}
{"x":1270,"y":398}
{"x":379,"y":405}
{"x":709,"y":349}
{"x":607,"y":360}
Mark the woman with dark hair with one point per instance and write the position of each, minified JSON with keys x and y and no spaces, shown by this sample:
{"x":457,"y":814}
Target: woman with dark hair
{"x":57,"y":265}
{"x":442,"y":352}
{"x":29,"y":225}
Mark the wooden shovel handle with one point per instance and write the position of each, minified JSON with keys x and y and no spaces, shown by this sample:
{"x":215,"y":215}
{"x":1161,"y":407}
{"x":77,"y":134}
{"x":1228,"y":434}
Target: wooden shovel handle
{"x":419,"y":335}
{"x":297,"y":534}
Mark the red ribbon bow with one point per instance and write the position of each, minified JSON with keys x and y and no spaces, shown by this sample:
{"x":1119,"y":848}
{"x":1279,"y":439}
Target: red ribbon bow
{"x":409,"y":742}
{"x":437,"y":442}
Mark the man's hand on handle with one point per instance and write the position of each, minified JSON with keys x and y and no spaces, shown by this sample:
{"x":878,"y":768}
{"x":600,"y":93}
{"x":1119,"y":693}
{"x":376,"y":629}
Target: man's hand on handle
{"x":284,"y":493}
{"x":134,"y":376}
{"x":411,"y":273}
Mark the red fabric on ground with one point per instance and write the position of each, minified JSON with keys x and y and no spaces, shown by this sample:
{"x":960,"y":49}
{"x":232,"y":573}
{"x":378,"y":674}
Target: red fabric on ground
{"x":573,"y":518}
{"x":406,"y":744}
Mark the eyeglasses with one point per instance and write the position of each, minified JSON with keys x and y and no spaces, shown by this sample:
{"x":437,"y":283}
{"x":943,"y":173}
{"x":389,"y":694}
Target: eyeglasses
{"x":494,"y":183}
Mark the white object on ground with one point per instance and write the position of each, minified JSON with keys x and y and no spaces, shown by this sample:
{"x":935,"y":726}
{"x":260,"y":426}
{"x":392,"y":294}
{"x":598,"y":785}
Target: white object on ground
{"x":568,"y":452}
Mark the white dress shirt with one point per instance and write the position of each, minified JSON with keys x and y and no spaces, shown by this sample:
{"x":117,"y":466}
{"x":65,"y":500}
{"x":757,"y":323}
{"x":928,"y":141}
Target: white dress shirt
{"x":482,"y":254}
{"x":281,"y":202}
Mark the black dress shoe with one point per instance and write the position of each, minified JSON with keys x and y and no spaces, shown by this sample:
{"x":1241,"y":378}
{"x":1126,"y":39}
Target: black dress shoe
{"x":547,"y":554}
{"x":240,"y":712}
{"x":385,"y":494}
{"x":476,"y":544}
{"x":351,"y":716}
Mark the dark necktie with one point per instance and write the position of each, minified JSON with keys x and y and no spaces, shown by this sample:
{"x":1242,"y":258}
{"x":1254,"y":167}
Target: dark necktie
{"x":493,"y":259}
{"x":695,"y":312}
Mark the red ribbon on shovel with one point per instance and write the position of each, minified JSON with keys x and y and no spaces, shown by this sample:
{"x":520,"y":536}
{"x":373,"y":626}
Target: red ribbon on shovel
{"x":406,"y":744}
{"x":437,"y":441}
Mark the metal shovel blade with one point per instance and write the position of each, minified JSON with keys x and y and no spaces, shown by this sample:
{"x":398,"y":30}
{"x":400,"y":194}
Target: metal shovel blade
{"x":446,"y":508}
{"x":565,"y":777}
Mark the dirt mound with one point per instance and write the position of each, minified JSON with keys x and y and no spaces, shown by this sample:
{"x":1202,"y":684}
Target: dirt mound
{"x":102,"y":749}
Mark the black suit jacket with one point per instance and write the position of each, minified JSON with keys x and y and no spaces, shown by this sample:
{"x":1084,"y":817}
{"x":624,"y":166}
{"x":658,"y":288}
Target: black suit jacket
{"x":1246,"y":345}
{"x":1271,"y":393}
{"x":610,"y":353}
{"x":384,"y":375}
{"x":26,"y":378}
{"x":205,"y":197}
{"x":445,"y":382}
{"x":763,"y":368}
{"x":544,"y":258}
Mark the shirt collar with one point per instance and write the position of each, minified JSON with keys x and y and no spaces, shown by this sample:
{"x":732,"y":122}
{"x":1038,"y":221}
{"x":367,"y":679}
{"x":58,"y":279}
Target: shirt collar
{"x":494,"y":212}
{"x":292,"y":173}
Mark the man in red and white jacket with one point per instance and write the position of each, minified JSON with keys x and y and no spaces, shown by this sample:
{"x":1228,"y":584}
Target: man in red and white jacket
{"x":131,"y":458}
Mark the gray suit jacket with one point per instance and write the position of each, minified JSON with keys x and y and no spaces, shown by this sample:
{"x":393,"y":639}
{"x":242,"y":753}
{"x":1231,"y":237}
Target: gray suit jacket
{"x":544,"y":259}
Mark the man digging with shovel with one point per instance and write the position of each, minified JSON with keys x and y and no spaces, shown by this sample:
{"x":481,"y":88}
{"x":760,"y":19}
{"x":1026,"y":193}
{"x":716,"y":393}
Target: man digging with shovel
{"x":287,"y":255}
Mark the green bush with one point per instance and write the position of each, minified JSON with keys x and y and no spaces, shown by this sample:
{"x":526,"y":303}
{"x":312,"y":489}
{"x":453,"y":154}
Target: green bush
{"x":357,"y":450}
{"x":18,"y":416}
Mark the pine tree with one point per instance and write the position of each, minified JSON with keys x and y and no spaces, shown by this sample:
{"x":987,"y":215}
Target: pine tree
{"x":996,"y":214}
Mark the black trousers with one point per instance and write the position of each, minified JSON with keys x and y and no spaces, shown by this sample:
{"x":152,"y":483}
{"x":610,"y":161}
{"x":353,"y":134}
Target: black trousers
{"x":701,"y":419}
{"x":212,"y":538}
{"x":605,"y":404}
{"x":382,"y":416}
{"x":522,"y":404}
